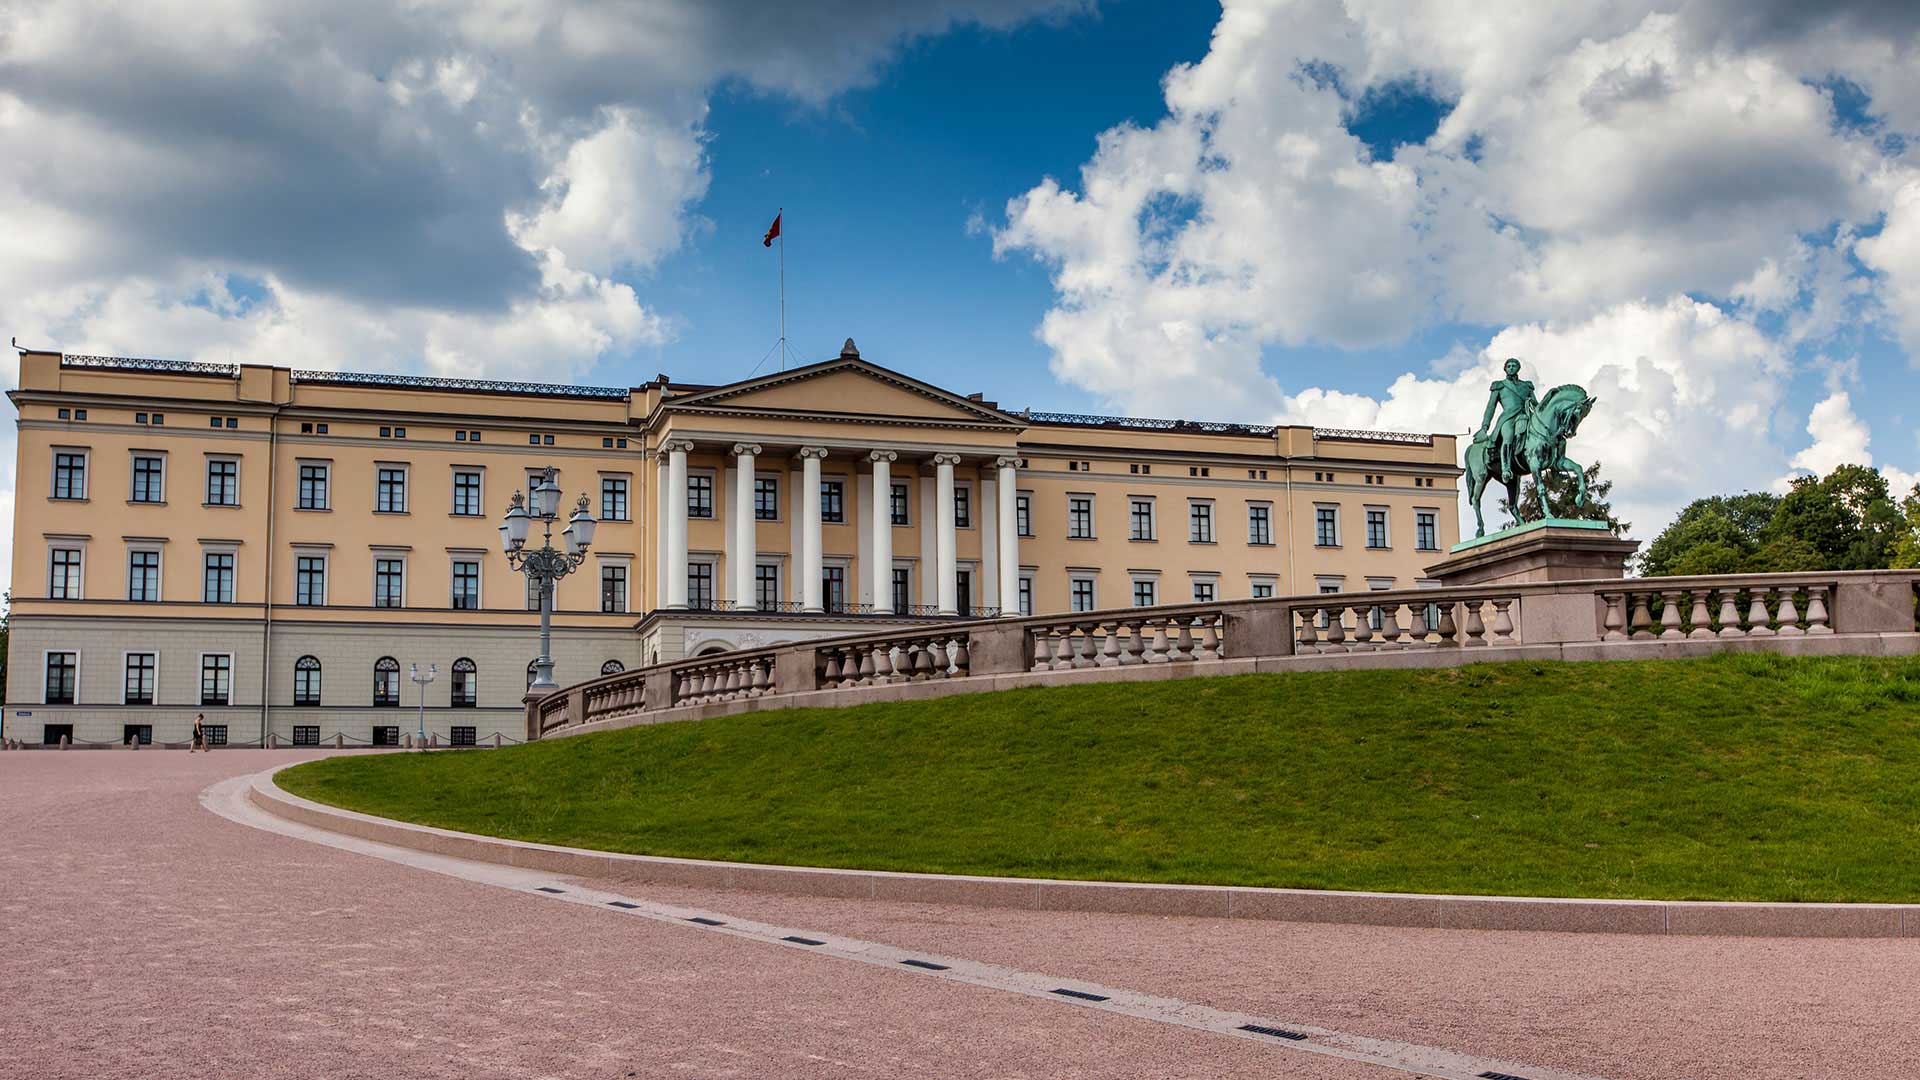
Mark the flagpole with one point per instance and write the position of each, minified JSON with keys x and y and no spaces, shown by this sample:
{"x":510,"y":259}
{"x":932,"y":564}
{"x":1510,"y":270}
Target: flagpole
{"x":781,"y":218}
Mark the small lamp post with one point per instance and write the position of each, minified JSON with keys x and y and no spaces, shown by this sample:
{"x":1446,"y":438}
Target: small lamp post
{"x":422,"y":678}
{"x":545,"y":566}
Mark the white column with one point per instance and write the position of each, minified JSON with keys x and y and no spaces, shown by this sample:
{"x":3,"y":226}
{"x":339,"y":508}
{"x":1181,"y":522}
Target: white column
{"x":1009,"y":537}
{"x":810,"y":457}
{"x":882,"y":574}
{"x":745,"y":530}
{"x":661,"y":483}
{"x":677,"y":522}
{"x":947,"y":539}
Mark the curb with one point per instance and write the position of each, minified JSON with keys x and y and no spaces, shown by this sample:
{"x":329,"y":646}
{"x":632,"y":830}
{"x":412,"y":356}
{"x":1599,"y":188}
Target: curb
{"x":1690,"y":917}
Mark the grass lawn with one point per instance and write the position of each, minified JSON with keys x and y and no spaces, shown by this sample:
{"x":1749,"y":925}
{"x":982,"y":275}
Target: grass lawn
{"x":1749,"y":777}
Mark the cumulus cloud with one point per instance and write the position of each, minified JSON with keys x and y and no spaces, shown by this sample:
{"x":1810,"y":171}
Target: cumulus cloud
{"x":1664,"y":205}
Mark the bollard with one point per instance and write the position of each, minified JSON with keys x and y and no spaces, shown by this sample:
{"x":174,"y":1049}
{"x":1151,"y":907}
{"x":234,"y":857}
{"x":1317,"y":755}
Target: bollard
{"x":496,"y":740}
{"x":339,"y":741}
{"x":434,"y":739}
{"x":406,"y":741}
{"x":63,"y":742}
{"x":135,"y":742}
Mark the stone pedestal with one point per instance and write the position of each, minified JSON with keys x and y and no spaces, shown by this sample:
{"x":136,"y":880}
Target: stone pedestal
{"x":1555,"y":549}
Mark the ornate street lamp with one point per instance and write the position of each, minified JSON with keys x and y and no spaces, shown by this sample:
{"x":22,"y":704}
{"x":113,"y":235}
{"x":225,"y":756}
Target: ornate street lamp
{"x":545,"y":566}
{"x":422,"y":678}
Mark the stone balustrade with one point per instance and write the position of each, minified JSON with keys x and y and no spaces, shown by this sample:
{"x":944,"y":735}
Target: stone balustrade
{"x":1868,"y":612}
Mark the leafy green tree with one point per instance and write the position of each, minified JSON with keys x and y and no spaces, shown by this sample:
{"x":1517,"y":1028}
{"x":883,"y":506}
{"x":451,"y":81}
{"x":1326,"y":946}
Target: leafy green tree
{"x":1725,"y":529}
{"x":1561,"y":492}
{"x":1906,"y":549}
{"x":1846,"y":516}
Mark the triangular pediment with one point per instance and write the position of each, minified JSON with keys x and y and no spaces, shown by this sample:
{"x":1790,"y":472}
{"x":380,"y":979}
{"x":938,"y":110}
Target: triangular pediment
{"x":844,"y":386}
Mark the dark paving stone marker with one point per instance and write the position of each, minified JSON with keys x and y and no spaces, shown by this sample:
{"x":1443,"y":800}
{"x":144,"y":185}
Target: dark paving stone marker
{"x":928,"y":964}
{"x":1081,"y":994}
{"x":549,"y":888}
{"x":802,"y":940}
{"x":1278,"y":1033}
{"x":704,"y":921}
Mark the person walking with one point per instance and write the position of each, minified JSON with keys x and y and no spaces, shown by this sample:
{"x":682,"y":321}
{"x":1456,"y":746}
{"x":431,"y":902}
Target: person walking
{"x":199,"y":733}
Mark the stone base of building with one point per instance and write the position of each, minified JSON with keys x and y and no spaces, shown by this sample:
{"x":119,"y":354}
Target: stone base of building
{"x":1554,"y":549}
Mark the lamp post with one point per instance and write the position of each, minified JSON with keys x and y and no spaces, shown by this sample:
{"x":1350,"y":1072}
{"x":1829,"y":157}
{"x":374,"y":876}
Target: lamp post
{"x":422,"y":679}
{"x":545,"y":566}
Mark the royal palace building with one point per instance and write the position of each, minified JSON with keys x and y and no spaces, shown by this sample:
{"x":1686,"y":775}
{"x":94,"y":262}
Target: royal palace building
{"x":282,"y":549}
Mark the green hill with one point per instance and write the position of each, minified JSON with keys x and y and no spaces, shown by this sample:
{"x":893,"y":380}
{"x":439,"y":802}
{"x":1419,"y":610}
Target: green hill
{"x":1737,"y":777}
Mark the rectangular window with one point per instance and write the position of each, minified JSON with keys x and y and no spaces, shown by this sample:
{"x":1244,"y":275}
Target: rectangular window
{"x":1262,"y":590}
{"x":216,"y":734}
{"x":223,"y":482}
{"x":613,"y":589}
{"x":962,"y":508}
{"x":897,"y":503}
{"x":533,"y":593}
{"x":700,"y":585}
{"x":466,"y":493}
{"x":1376,"y":528}
{"x":310,"y":580}
{"x":902,"y":590}
{"x":466,"y":585}
{"x":1326,"y":526}
{"x":462,"y":735}
{"x":216,"y":586}
{"x":389,"y":582}
{"x":1143,"y":592}
{"x":139,"y":680}
{"x":1426,"y":531}
{"x":766,"y":498}
{"x":613,"y":498}
{"x":386,"y":734}
{"x":386,"y":684}
{"x":1259,"y":524}
{"x":833,"y":588}
{"x":313,"y":488}
{"x":306,"y":734}
{"x":766,"y":587}
{"x":1026,"y":596}
{"x":63,"y":670}
{"x":1203,"y":592}
{"x":1200,"y":522}
{"x":149,"y":479}
{"x":466,"y":685}
{"x":216,"y":679}
{"x":392,"y":494}
{"x":63,"y":576}
{"x":69,"y":476}
{"x":140,"y":733}
{"x":1140,"y":519}
{"x":1080,"y":517}
{"x":143,"y":576}
{"x":1081,"y":591}
{"x":833,"y":502}
{"x":1023,"y":515}
{"x":700,"y":496}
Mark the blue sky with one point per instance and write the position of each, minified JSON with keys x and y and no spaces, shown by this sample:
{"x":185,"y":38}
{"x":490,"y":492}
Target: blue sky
{"x":1339,"y":212}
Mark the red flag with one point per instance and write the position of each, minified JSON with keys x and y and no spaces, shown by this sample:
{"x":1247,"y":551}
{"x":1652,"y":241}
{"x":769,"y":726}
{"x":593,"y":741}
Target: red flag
{"x":772,"y":232}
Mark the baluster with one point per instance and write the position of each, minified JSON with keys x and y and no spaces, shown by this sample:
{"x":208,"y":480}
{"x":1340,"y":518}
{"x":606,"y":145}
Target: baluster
{"x":1336,"y":630}
{"x":1136,"y":644}
{"x":1417,"y":634}
{"x":831,"y":675}
{"x":961,"y":658}
{"x":1110,"y":645}
{"x":1083,"y":646}
{"x":1730,"y":613}
{"x":1789,"y":614}
{"x":1642,"y":617}
{"x":1503,"y":622}
{"x":1757,"y":613}
{"x":1063,"y":648}
{"x":729,"y":682}
{"x":1042,"y":648}
{"x":1697,"y":617}
{"x":1817,"y":610}
{"x":1308,"y":640}
{"x":1183,"y":644}
{"x":1615,"y":617}
{"x":1476,"y":628}
{"x":1670,"y":615}
{"x":1362,"y":630}
{"x":1209,"y":638}
{"x":851,"y":674}
{"x":757,"y":684}
{"x":1157,"y":647}
{"x":1390,"y":626}
{"x":882,"y":665}
{"x":866,"y":666}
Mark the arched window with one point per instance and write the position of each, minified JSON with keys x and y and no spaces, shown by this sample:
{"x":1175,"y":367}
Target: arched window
{"x":386,"y":681}
{"x":612,"y":667}
{"x":713,"y":650}
{"x":306,"y":681}
{"x":466,"y":684}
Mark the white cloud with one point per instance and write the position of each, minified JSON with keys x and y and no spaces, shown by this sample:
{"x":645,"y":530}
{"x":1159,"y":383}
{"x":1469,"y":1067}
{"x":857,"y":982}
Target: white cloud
{"x":1603,"y":168}
{"x":1841,"y":437}
{"x":1895,"y":253}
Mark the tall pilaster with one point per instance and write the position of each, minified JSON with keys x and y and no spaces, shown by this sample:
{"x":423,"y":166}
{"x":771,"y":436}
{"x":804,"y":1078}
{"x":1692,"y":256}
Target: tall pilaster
{"x":810,"y":542}
{"x":745,"y":530}
{"x":948,"y":542}
{"x":882,"y":572}
{"x":1009,"y":536}
{"x":677,"y":450}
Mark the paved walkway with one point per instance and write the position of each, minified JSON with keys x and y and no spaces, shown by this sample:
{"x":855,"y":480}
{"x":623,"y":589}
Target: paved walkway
{"x":145,"y":935}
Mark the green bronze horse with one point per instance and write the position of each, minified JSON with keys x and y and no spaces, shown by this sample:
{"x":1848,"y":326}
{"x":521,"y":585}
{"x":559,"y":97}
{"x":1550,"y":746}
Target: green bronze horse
{"x":1540,"y":450}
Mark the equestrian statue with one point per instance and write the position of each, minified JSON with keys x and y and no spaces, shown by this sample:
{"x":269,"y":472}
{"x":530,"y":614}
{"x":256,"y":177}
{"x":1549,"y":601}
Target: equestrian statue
{"x":1530,"y":440}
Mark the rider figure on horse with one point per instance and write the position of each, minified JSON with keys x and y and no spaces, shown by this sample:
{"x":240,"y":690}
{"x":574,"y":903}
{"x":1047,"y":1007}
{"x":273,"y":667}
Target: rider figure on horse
{"x":1514,"y":397}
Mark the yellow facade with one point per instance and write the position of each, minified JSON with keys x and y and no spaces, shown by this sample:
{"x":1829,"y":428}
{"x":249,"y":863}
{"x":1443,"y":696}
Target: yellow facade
{"x":345,"y":572}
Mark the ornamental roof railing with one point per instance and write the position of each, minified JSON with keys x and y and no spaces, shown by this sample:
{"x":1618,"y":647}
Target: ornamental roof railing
{"x":140,"y":363}
{"x":485,"y":386}
{"x":1143,"y":423}
{"x":1373,"y":436}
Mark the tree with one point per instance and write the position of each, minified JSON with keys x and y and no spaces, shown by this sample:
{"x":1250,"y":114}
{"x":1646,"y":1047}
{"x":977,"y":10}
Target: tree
{"x":1846,"y":516}
{"x":1906,"y":549}
{"x":1724,"y":529}
{"x":1561,"y":491}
